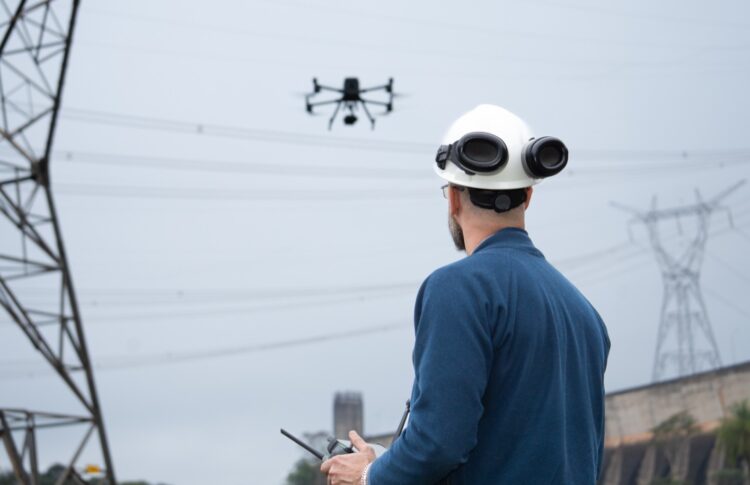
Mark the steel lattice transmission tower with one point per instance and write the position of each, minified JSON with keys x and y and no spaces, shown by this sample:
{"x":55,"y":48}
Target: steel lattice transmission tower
{"x":685,"y":341}
{"x":34,"y":52}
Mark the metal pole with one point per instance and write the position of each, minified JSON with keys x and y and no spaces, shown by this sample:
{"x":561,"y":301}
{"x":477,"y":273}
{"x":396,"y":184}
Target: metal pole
{"x":68,"y":281}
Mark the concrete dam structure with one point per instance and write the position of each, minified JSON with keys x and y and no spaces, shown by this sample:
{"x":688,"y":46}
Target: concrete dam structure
{"x":633,"y":455}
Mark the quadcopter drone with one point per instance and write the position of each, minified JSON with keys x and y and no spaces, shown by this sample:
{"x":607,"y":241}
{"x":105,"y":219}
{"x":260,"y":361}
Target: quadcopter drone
{"x":350,"y":98}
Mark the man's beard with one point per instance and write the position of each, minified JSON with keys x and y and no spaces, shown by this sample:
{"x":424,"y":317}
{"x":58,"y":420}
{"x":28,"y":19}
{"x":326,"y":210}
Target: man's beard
{"x":456,"y":233}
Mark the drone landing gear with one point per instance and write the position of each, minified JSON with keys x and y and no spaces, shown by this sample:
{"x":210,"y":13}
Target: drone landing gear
{"x":333,"y":116}
{"x":369,"y":116}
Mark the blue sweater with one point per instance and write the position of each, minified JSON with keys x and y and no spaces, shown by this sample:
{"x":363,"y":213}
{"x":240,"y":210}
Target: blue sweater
{"x":509,"y":363}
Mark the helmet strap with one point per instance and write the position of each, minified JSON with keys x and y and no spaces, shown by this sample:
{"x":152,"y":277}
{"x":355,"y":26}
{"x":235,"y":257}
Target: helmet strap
{"x":497,"y":200}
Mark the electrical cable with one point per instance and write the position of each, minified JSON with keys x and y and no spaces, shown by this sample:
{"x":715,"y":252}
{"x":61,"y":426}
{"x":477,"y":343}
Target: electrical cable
{"x":244,"y":310}
{"x":223,"y":166}
{"x":476,"y":29}
{"x":589,"y":275}
{"x":281,"y":195}
{"x":158,"y":359}
{"x":331,"y":171}
{"x":237,"y":132}
{"x":719,"y":297}
{"x":639,"y":15}
{"x":728,"y":267}
{"x":167,"y":358}
{"x":181,"y":296}
{"x":680,"y":157}
{"x":708,"y":158}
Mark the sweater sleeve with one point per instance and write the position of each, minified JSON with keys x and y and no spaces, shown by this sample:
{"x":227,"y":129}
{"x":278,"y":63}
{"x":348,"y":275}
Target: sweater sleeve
{"x":452,"y":358}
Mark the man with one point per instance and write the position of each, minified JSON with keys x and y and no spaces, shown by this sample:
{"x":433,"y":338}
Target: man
{"x":509,"y":357}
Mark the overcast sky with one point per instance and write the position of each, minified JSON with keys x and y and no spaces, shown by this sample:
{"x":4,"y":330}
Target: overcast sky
{"x":206,"y":215}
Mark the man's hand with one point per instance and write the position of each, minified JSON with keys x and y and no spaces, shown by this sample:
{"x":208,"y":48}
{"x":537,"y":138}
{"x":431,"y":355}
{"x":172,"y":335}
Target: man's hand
{"x":347,"y":469}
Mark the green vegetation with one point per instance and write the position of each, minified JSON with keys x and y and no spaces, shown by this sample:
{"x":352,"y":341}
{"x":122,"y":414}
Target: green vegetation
{"x":678,"y":426}
{"x":305,"y":472}
{"x":47,"y":478}
{"x":729,"y":476}
{"x":734,"y":436}
{"x":667,"y":481}
{"x":51,"y":476}
{"x":670,"y":435}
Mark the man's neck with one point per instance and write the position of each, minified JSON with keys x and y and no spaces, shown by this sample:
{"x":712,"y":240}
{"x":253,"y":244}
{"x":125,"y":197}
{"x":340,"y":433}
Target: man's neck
{"x":473,"y":237}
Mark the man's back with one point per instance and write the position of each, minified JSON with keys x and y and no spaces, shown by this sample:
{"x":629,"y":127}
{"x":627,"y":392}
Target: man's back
{"x":544,"y":402}
{"x":509,"y":361}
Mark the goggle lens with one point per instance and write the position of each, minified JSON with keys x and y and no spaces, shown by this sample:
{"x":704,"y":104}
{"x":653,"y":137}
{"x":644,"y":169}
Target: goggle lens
{"x":483,"y":152}
{"x":545,"y":157}
{"x":480,"y":151}
{"x":551,"y":156}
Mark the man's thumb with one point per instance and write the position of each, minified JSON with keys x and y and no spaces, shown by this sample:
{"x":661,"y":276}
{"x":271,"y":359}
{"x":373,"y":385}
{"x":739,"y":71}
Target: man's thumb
{"x":357,"y":441}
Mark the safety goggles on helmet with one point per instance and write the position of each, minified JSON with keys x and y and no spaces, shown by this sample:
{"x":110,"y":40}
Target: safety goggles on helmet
{"x":545,"y":156}
{"x":474,"y":152}
{"x":479,"y":152}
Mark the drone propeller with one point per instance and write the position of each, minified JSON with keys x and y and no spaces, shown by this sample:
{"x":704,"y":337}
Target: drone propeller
{"x":311,"y":112}
{"x":384,"y":113}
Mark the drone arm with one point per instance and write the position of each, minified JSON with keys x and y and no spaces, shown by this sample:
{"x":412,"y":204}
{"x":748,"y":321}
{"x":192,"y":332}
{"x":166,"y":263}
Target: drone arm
{"x":333,"y":117}
{"x":381,"y":103}
{"x":321,"y":103}
{"x":387,"y":87}
{"x":369,"y":116}
{"x":328,"y":88}
{"x":375,"y":88}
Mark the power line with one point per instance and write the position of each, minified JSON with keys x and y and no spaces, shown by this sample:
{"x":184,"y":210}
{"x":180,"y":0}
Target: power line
{"x":589,"y":274}
{"x":474,"y":29}
{"x":312,"y":169}
{"x":243,"y":310}
{"x":356,"y":44}
{"x":639,"y":15}
{"x":167,"y":358}
{"x":237,"y":132}
{"x":592,"y":277}
{"x":122,"y":362}
{"x":245,"y":294}
{"x":728,"y":267}
{"x":743,"y":234}
{"x":731,"y":304}
{"x":696,"y":162}
{"x":587,"y":258}
{"x":280,"y":195}
{"x":158,"y":359}
{"x":679,"y":156}
{"x":614,"y":68}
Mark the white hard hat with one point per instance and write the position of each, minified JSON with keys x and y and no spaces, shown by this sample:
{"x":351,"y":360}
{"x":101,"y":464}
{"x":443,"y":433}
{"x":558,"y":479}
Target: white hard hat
{"x":491,"y":148}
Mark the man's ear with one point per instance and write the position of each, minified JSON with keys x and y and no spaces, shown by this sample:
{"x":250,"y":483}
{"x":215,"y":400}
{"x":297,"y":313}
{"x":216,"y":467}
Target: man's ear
{"x":454,"y":197}
{"x":529,"y":191}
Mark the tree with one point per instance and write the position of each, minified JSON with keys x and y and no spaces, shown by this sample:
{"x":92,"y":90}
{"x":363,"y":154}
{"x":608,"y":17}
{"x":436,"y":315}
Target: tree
{"x":305,"y":472}
{"x":734,"y":435}
{"x":51,"y":476}
{"x":670,"y":436}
